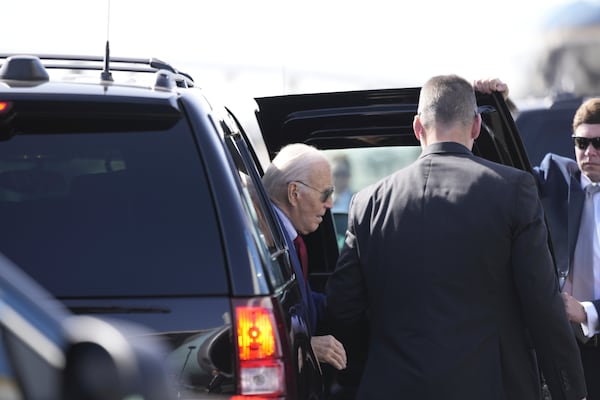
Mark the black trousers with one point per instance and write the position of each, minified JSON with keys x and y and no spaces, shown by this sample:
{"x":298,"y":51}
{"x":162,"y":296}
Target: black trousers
{"x":590,"y":357}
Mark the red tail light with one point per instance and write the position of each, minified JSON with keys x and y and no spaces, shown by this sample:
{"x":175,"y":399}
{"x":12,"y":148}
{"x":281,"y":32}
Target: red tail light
{"x":261,"y":366}
{"x":4,"y":106}
{"x":256,"y":336}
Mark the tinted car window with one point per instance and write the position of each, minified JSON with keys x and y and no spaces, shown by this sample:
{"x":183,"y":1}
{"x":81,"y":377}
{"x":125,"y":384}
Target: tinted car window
{"x":99,"y":205}
{"x":264,"y":225}
{"x":367,"y":165}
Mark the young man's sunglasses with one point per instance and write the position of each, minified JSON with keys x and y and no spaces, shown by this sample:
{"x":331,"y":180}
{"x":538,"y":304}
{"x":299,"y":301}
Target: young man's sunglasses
{"x":582,"y":142}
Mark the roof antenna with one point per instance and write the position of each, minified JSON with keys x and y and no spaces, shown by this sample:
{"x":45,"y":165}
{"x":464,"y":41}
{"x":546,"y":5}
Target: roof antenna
{"x":106,"y":75}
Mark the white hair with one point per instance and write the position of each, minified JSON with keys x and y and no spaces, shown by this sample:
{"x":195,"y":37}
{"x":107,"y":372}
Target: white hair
{"x":292,"y":163}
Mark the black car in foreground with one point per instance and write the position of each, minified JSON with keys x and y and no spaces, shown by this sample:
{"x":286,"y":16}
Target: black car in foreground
{"x":47,"y":353}
{"x":144,"y":202}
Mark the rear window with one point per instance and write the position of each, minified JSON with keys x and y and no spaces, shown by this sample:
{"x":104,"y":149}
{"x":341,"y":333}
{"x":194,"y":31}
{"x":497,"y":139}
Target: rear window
{"x":110,"y":214}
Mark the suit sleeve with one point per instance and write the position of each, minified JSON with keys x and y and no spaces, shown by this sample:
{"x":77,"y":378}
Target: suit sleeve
{"x":537,"y":287}
{"x":320,"y":301}
{"x":346,"y":291}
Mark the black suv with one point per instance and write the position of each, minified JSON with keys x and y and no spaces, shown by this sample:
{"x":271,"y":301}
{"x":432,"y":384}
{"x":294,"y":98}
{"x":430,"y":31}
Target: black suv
{"x":142,"y":201}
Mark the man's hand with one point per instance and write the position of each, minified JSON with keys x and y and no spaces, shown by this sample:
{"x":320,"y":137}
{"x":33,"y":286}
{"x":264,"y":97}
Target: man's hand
{"x":491,"y":85}
{"x":574,"y":309}
{"x":329,"y":350}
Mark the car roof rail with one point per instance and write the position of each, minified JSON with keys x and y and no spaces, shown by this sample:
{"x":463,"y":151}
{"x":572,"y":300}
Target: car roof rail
{"x":99,"y":63}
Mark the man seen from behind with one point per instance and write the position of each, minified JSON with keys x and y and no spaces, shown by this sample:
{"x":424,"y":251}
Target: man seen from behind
{"x":448,"y":261}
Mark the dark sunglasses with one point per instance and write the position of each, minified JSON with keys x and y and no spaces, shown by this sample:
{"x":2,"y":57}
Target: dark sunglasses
{"x":582,"y":142}
{"x":325,"y":194}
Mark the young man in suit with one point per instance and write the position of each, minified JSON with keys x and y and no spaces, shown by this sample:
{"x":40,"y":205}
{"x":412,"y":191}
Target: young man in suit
{"x":449,"y":262}
{"x":563,"y":184}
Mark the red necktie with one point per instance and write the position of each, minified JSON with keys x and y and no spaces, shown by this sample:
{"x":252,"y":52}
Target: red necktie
{"x":302,"y":254}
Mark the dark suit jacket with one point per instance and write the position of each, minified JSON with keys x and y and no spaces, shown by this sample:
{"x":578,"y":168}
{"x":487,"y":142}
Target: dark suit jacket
{"x":314,"y":301}
{"x":559,"y":182}
{"x":449,"y":260}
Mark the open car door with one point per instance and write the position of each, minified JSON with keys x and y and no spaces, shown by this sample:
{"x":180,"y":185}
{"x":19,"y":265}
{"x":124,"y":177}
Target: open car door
{"x":373,"y":128}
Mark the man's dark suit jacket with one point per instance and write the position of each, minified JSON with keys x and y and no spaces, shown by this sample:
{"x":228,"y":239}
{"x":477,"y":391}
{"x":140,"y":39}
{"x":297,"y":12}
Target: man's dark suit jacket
{"x":448,"y":258}
{"x":313,"y":301}
{"x":559,"y":183}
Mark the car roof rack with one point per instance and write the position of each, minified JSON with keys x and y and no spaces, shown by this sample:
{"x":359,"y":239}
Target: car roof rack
{"x":97,"y":63}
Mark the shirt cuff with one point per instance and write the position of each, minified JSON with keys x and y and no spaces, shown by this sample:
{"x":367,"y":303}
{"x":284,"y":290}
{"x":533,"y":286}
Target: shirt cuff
{"x":591,"y":327}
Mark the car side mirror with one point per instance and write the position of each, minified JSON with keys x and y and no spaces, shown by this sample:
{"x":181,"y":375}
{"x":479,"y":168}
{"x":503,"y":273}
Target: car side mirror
{"x":106,"y":361}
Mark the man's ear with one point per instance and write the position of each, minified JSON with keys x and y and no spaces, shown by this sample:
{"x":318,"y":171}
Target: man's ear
{"x":418,"y":127}
{"x":292,"y":193}
{"x":476,"y":127}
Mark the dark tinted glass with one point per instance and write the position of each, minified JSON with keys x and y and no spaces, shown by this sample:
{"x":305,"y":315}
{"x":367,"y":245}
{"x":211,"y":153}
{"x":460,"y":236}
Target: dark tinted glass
{"x":546,"y":131}
{"x":109,"y":214}
{"x":263,"y":226}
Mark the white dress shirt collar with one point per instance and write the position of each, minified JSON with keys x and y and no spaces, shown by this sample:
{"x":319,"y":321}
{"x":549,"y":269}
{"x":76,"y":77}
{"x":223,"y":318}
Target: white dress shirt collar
{"x":585,"y":181}
{"x":286,"y":222}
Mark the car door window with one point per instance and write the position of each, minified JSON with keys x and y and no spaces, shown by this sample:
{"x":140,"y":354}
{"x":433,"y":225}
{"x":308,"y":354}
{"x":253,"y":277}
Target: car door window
{"x":264,"y":224}
{"x":354,"y":169}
